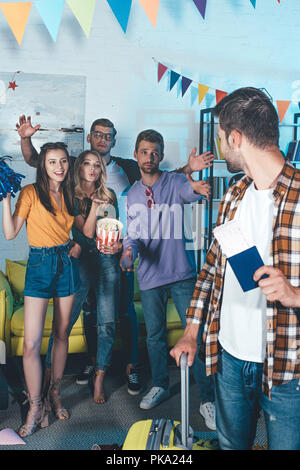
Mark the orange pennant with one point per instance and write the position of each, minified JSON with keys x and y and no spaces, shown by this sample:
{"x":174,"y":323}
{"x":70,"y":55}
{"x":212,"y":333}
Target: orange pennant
{"x":17,"y":15}
{"x":202,"y":90}
{"x":282,"y":107}
{"x":220,"y":95}
{"x":151,"y":9}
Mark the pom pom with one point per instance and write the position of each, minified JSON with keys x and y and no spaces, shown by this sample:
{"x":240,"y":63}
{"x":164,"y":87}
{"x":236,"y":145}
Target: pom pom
{"x":10,"y":182}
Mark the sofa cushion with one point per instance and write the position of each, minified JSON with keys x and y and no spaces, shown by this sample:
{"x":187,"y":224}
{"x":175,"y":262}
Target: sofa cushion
{"x":17,"y":323}
{"x":9,"y":301}
{"x":15,"y":272}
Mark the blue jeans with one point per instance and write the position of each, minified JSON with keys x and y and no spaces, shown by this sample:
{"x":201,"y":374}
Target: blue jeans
{"x":239,"y":397}
{"x":101,"y":272}
{"x":154,"y":302}
{"x":128,"y":318}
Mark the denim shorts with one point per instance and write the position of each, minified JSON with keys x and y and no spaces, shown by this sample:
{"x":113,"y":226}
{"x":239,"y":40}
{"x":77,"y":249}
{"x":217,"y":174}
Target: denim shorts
{"x":51,"y":272}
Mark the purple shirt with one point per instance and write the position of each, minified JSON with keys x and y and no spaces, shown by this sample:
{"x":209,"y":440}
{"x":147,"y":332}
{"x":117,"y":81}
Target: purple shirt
{"x":157,"y":234}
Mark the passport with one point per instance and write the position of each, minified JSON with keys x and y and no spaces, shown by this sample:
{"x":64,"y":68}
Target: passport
{"x":244,"y":265}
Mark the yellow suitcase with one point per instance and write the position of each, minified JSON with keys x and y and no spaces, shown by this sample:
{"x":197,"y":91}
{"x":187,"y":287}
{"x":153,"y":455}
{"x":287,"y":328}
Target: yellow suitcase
{"x":167,"y":434}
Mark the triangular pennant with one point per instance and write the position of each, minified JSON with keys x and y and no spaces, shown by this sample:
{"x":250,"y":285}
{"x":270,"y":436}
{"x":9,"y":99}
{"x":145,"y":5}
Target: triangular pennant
{"x":201,"y":5}
{"x":174,"y":78}
{"x":202,"y":90}
{"x":282,"y":107}
{"x":151,"y":9}
{"x":194,"y":94}
{"x":17,"y":15}
{"x":84,"y":12}
{"x":51,"y":13}
{"x":161,"y":69}
{"x":220,"y":95}
{"x":253,"y":3}
{"x":121,"y":10}
{"x":185,"y":83}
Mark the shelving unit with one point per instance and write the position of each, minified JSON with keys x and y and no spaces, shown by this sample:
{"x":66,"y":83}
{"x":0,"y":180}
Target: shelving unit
{"x":209,"y":209}
{"x":217,"y":170}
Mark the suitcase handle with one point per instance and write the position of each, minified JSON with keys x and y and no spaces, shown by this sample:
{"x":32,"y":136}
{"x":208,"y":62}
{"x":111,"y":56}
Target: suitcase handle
{"x":185,"y":430}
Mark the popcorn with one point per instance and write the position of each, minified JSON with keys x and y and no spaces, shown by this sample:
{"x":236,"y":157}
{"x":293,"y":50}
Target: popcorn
{"x":108,"y":231}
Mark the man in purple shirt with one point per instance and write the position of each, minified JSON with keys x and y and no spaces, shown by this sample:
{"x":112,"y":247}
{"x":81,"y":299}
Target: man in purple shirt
{"x":155,"y":232}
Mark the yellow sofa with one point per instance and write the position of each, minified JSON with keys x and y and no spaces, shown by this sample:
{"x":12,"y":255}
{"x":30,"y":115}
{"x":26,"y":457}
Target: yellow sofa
{"x":12,"y":316}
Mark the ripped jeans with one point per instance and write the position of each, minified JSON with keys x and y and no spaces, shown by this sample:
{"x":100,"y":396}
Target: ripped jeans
{"x":239,"y":398}
{"x":102,"y":272}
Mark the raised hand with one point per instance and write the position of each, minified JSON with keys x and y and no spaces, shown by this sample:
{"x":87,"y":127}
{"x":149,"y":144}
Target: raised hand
{"x":199,"y":187}
{"x":25,"y":128}
{"x":199,"y":162}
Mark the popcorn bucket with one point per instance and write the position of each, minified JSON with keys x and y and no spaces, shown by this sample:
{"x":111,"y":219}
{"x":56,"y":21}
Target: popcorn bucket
{"x":108,"y":231}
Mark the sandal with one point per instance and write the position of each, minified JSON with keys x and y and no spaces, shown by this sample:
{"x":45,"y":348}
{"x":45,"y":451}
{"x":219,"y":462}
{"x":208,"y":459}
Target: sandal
{"x":37,"y":416}
{"x":54,"y":403}
{"x":99,"y":399}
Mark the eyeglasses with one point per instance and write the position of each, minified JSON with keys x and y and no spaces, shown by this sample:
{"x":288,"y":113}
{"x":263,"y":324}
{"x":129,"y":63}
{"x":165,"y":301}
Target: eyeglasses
{"x":100,"y":135}
{"x":150,"y":200}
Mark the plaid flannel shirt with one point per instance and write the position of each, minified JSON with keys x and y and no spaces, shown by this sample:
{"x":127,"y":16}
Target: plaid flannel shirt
{"x":282,"y":362}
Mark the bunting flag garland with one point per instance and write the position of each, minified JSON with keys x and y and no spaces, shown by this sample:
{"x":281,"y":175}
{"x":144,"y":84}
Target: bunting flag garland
{"x":84,"y":12}
{"x":220,"y":95}
{"x":201,"y":91}
{"x":121,"y":10}
{"x":16,"y":15}
{"x":51,"y":12}
{"x":185,"y":83}
{"x":161,"y":69}
{"x":201,"y":5}
{"x":151,"y":9}
{"x":282,"y":107}
{"x":174,"y":78}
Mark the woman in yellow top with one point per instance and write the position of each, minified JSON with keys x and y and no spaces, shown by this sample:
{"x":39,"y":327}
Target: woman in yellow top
{"x":52,"y":271}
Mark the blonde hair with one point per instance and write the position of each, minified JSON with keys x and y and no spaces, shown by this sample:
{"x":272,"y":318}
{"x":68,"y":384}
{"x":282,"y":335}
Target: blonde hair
{"x":101,"y":190}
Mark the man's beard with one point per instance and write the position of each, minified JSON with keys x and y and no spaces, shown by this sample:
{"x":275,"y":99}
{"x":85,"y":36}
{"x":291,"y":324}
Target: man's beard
{"x":233,"y":161}
{"x":233,"y":167}
{"x":150,"y":171}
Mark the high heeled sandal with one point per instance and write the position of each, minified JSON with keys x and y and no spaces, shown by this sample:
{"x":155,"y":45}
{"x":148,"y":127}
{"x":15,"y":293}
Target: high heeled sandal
{"x":54,"y":403}
{"x":37,"y":418}
{"x":100,"y":399}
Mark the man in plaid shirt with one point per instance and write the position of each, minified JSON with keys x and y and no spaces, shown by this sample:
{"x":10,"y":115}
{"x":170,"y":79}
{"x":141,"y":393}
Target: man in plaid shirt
{"x":251,"y":340}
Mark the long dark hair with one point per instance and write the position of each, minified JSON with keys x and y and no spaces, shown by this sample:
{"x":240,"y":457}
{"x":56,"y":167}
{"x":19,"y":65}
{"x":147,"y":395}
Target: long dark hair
{"x":42,"y":179}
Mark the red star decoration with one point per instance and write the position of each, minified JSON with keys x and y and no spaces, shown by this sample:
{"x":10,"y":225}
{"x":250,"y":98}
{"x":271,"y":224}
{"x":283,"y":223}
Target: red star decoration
{"x":12,"y":85}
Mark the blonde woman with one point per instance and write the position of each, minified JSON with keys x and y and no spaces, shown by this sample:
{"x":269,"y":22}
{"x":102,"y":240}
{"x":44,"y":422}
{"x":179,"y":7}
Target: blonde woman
{"x":98,"y":269}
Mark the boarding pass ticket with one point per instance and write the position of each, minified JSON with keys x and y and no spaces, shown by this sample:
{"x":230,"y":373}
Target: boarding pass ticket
{"x":231,"y":238}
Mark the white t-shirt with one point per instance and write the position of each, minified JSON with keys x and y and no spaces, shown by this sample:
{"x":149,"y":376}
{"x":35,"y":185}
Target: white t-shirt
{"x":243,"y":314}
{"x":117,"y":180}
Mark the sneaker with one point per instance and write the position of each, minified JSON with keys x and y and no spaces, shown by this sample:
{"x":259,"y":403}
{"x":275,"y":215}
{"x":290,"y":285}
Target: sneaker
{"x":83,"y":377}
{"x":134,"y":385}
{"x":208,"y":411}
{"x":154,"y":397}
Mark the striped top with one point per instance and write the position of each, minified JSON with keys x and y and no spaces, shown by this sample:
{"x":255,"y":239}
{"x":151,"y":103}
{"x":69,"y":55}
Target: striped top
{"x":282,"y":361}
